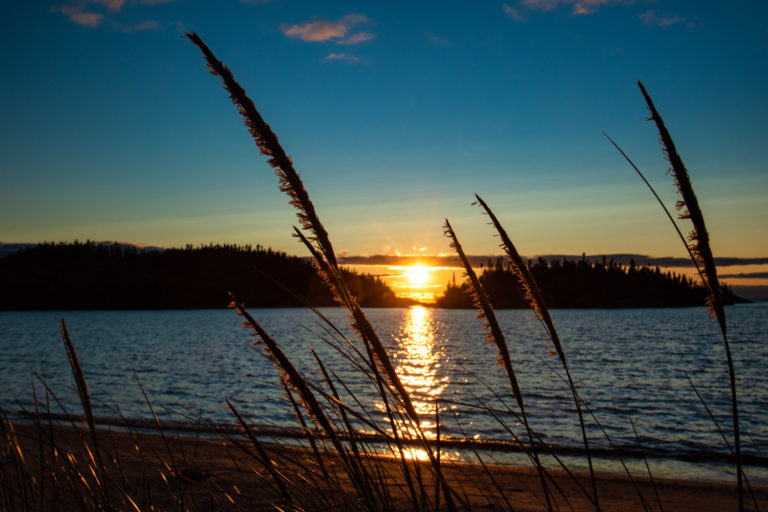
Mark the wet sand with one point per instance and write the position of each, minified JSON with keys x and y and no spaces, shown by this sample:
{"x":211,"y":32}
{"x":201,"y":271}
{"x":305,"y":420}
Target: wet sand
{"x":225,"y":474}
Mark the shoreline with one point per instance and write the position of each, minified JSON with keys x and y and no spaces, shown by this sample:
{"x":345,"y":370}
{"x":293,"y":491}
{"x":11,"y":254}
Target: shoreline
{"x":198,"y":462}
{"x":485,"y":445}
{"x":431,"y":305}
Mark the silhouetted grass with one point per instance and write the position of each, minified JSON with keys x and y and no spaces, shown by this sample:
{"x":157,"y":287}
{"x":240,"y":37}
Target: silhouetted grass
{"x":354,"y":460}
{"x":698,"y":248}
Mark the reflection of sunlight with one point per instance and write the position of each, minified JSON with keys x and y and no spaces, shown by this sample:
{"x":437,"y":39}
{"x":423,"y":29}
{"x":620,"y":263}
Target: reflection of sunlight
{"x":416,"y":362}
{"x":418,"y":454}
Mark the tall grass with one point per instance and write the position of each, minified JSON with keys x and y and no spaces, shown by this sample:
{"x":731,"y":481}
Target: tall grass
{"x":698,"y":247}
{"x":317,"y":241}
{"x":342,"y":467}
{"x":534,"y":298}
{"x":496,"y":336}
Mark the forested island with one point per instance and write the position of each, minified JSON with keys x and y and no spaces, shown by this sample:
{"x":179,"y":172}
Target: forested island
{"x":88,"y":275}
{"x":585,"y":284}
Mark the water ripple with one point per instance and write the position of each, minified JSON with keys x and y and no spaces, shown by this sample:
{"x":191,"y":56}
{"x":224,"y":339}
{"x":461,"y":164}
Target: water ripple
{"x":623,"y":362}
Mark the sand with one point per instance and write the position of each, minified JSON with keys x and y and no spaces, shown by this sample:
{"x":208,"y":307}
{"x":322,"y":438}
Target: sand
{"x":220,"y":474}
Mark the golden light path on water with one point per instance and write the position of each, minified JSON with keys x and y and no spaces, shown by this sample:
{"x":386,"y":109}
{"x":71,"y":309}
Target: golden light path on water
{"x":417,"y":359}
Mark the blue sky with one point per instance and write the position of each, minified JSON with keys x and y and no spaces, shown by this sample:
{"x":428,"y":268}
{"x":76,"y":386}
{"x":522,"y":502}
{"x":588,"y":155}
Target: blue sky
{"x":395,"y":113}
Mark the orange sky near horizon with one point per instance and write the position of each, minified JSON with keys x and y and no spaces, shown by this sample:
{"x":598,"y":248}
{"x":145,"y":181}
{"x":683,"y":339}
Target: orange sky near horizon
{"x":425,"y":283}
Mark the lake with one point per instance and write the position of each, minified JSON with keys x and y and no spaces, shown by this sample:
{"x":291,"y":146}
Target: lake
{"x":624,"y":362}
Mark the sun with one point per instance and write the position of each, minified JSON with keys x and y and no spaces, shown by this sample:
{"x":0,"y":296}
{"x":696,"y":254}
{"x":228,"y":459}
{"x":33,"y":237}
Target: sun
{"x":418,"y":275}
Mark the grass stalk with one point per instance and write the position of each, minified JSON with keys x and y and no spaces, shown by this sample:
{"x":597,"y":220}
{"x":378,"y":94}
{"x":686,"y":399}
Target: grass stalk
{"x":647,"y":466}
{"x":317,"y":239}
{"x":533,"y":296}
{"x":292,"y":185}
{"x":85,"y":399}
{"x":723,"y":436}
{"x":496,"y":337}
{"x":264,"y":458}
{"x":701,"y":253}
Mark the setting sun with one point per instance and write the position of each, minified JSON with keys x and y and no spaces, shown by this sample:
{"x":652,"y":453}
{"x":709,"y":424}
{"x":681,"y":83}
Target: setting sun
{"x":418,"y":275}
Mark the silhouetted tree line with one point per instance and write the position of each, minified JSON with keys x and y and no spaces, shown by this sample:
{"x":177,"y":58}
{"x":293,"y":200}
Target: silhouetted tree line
{"x":101,"y":276}
{"x":581,"y":284}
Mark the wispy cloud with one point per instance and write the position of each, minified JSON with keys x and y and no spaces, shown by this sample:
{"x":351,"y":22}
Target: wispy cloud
{"x":578,"y":7}
{"x":111,"y":5}
{"x":650,"y":17}
{"x":321,"y":30}
{"x":512,"y":13}
{"x":356,"y":38}
{"x":753,"y":275}
{"x":86,"y":13}
{"x":84,"y":18}
{"x":147,"y":25}
{"x":541,"y":5}
{"x":316,"y":31}
{"x":342,"y":56}
{"x":387,"y":258}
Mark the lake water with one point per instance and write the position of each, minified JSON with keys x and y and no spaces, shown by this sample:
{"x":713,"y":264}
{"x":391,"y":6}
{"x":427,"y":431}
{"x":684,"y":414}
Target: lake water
{"x":624,"y":362}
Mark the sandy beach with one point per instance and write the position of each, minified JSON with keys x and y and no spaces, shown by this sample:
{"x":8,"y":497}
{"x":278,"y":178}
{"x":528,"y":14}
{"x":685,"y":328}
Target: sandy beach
{"x":223,"y":474}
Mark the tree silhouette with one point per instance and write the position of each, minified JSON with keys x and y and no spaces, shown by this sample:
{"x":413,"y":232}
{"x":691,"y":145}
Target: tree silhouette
{"x":581,"y":284}
{"x":88,"y":275}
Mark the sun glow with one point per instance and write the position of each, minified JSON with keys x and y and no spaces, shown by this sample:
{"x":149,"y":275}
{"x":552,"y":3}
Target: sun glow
{"x":418,"y":280}
{"x":418,"y":275}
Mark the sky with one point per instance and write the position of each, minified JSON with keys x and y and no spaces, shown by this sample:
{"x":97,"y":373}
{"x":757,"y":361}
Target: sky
{"x":395,"y":114}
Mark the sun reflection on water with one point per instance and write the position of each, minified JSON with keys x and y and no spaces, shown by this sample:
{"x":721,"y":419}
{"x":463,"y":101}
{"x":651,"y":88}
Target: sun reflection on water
{"x":417,"y":360}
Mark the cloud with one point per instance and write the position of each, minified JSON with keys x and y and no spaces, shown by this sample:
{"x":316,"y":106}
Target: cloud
{"x":316,"y":31}
{"x":86,"y":19}
{"x":652,"y":19}
{"x":541,"y":5}
{"x":450,"y":260}
{"x":342,"y":56}
{"x":356,"y":38}
{"x":752,"y":275}
{"x":111,"y":5}
{"x":144,"y":26}
{"x":78,"y":12}
{"x":320,"y":30}
{"x":512,"y":13}
{"x":578,"y":7}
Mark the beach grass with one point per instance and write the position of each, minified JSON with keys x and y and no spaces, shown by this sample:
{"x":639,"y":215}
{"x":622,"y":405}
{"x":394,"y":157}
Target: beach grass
{"x":85,"y":466}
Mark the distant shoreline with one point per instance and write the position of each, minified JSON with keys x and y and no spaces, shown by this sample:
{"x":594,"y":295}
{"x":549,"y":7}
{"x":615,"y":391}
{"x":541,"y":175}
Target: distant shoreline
{"x":99,"y":276}
{"x":425,"y":305}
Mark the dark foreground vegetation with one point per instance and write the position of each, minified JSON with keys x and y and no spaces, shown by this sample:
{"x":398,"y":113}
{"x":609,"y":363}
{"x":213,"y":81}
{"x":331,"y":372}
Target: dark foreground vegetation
{"x":584,"y":284}
{"x":97,"y":276}
{"x":339,"y":470}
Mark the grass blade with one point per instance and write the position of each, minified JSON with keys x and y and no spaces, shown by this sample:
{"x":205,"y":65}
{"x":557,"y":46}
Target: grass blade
{"x":533,"y":295}
{"x":496,"y":336}
{"x":700,"y":250}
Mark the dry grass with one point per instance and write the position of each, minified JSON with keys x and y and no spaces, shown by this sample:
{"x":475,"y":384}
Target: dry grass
{"x":52,"y":468}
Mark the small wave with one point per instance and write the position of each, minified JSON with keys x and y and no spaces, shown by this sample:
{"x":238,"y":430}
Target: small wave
{"x":684,"y":451}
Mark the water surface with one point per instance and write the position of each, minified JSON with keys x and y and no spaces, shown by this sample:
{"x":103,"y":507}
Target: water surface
{"x":624,"y":362}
